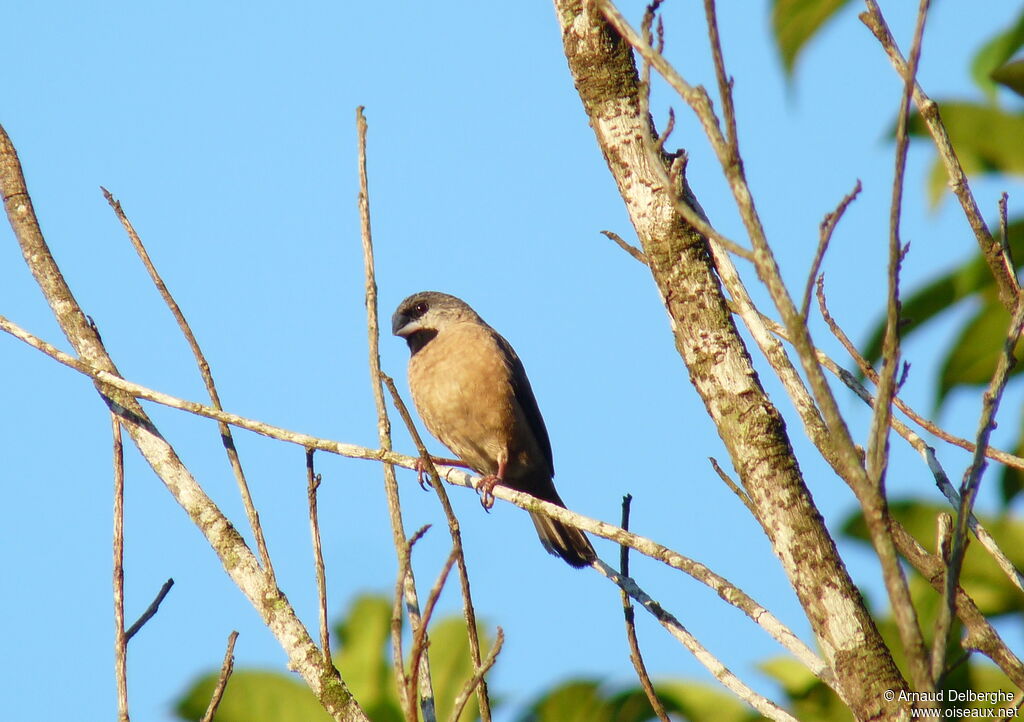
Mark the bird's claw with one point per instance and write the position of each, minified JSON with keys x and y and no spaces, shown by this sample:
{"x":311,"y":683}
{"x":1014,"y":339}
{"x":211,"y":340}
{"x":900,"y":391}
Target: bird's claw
{"x":421,"y":475}
{"x":486,"y":489}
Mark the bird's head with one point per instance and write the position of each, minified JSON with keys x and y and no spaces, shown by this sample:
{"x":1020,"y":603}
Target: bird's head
{"x":423,"y":315}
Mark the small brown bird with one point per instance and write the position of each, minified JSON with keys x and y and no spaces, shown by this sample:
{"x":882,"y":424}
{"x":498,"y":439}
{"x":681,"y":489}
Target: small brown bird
{"x":471,"y":391}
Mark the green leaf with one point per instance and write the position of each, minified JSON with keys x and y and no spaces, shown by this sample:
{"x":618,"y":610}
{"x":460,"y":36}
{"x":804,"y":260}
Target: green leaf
{"x":254,"y":696}
{"x":363,"y":657}
{"x":986,"y":138}
{"x":981,"y":578}
{"x":364,"y":660}
{"x":703,"y":703}
{"x":586,"y":701}
{"x":995,"y":53}
{"x":796,"y":21}
{"x":812,"y":699}
{"x":1011,"y":75}
{"x":976,"y":350}
{"x":574,"y":701}
{"x":988,"y":678}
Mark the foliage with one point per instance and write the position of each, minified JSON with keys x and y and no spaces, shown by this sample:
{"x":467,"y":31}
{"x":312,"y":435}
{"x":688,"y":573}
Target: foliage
{"x":363,"y":637}
{"x":796,"y":21}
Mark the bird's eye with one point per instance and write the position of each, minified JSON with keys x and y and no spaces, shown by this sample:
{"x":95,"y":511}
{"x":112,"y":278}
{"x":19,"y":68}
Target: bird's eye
{"x":420,"y":308}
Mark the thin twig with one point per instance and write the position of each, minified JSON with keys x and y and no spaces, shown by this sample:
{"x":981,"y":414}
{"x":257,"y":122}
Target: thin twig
{"x":454,"y":530}
{"x":941,"y":479}
{"x":929,"y":110}
{"x":627,"y":611}
{"x":828,"y":226}
{"x":724,"y":81}
{"x":204,"y":371}
{"x":711,"y":663}
{"x":929,"y":426}
{"x":222,"y":680}
{"x":383,"y":423}
{"x":980,"y":633}
{"x":876,"y":508}
{"x":735,"y":489}
{"x":120,"y":638}
{"x":1004,"y":243}
{"x":630,"y":249}
{"x":407,"y":704}
{"x":478,"y":677}
{"x":312,"y":484}
{"x":419,"y":641}
{"x":152,"y":609}
{"x":969,"y":488}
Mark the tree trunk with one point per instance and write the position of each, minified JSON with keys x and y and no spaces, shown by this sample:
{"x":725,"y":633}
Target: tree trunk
{"x":720,"y":369}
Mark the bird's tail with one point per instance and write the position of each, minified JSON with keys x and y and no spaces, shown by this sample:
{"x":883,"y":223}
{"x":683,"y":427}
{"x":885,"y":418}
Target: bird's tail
{"x":563,"y":541}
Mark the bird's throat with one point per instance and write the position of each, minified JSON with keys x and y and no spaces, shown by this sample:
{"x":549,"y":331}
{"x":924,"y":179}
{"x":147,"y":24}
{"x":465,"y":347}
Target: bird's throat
{"x":419,"y":339}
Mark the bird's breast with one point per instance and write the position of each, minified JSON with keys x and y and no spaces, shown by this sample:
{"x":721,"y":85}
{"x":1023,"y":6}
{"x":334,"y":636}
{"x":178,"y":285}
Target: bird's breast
{"x":461,"y":386}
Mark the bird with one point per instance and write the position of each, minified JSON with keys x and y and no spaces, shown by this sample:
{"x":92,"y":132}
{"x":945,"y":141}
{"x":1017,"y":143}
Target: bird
{"x":471,"y":390}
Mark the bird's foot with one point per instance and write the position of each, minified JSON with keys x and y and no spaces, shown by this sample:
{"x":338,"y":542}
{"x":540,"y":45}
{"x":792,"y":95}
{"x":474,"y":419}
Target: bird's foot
{"x":422,"y":471}
{"x":421,"y":474}
{"x":486,"y":489}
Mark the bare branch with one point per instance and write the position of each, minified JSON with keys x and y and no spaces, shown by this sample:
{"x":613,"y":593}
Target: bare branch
{"x":980,"y":634}
{"x":828,"y":226}
{"x":735,"y":489}
{"x":151,"y":610}
{"x":627,"y":611}
{"x":419,"y":641}
{"x":204,"y":371}
{"x":969,"y":488}
{"x":1004,"y":243}
{"x":631,"y":250}
{"x":222,"y":680}
{"x":724,"y":81}
{"x":941,"y":479}
{"x":1006,"y":283}
{"x":312,"y":484}
{"x":120,"y":638}
{"x":478,"y":677}
{"x":733,"y":683}
{"x":876,"y":512}
{"x":426,"y":691}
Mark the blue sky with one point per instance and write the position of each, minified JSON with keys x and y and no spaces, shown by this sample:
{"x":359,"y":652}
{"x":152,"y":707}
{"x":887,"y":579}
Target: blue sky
{"x":227,"y":131}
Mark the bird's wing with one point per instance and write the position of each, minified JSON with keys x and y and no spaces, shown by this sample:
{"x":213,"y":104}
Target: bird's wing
{"x":527,"y":402}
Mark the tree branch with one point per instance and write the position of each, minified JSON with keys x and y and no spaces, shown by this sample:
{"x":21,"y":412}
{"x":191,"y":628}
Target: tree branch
{"x":1006,"y":282}
{"x":204,"y":371}
{"x":120,"y":638}
{"x":238,"y":560}
{"x":412,"y":607}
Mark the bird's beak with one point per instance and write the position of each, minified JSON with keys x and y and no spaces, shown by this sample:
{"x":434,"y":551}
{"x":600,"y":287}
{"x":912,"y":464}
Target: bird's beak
{"x":402,"y":325}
